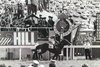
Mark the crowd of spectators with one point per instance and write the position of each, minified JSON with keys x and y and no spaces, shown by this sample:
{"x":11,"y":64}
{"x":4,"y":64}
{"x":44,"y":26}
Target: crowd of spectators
{"x":81,"y":12}
{"x":15,"y":14}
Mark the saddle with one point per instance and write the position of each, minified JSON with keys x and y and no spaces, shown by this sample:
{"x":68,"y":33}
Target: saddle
{"x":53,"y":46}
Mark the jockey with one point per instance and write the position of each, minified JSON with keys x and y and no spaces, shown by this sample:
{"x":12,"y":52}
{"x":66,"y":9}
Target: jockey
{"x":53,"y":42}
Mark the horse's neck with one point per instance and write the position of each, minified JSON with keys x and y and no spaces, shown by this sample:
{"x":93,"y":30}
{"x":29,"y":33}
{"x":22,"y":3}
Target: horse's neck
{"x":62,"y":43}
{"x":60,"y":46}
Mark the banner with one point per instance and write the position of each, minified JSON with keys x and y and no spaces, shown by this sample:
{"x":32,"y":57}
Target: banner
{"x":17,"y":38}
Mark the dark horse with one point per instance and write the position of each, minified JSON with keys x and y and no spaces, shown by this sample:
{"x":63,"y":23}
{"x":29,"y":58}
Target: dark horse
{"x":40,"y":49}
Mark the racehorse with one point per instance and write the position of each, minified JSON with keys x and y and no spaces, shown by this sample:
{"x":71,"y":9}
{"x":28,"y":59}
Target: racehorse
{"x":40,"y":49}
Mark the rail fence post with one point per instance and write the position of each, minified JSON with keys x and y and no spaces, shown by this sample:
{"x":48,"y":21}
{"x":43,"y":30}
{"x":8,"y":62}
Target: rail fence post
{"x":20,"y":53}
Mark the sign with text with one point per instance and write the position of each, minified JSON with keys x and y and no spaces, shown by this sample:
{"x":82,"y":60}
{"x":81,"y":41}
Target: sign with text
{"x":97,"y":27}
{"x":17,"y":38}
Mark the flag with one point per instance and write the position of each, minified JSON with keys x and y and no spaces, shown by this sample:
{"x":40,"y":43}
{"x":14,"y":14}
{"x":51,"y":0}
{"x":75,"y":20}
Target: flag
{"x":74,"y":33}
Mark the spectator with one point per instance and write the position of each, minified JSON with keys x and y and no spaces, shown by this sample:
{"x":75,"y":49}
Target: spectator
{"x":50,"y":22}
{"x":87,"y":49}
{"x":52,"y":63}
{"x":84,"y":65}
{"x":35,"y":64}
{"x":32,"y":8}
{"x":20,"y":11}
{"x":9,"y":66}
{"x":40,"y":20}
{"x":44,"y":22}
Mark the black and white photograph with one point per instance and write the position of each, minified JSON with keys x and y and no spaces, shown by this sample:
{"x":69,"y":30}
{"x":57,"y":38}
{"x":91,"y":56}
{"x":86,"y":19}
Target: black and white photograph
{"x":49,"y":33}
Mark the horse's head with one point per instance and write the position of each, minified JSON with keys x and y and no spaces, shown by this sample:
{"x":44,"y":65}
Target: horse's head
{"x":63,"y":43}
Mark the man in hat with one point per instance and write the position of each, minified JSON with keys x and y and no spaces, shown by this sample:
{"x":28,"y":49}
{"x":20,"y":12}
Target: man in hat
{"x":20,"y":11}
{"x":32,"y":8}
{"x":62,"y":15}
{"x":75,"y":19}
{"x":84,"y":65}
{"x":50,"y":21}
{"x":44,"y":23}
{"x":87,"y":49}
{"x":40,"y":20}
{"x":35,"y":64}
{"x":85,"y":20}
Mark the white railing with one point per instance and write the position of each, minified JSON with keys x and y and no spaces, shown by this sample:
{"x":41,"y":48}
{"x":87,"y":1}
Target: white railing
{"x":82,"y":46}
{"x":77,"y":46}
{"x":33,"y":47}
{"x":19,"y":28}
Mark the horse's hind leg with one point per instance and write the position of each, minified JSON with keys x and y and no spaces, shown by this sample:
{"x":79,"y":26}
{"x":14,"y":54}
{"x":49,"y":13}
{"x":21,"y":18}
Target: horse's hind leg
{"x":40,"y":54}
{"x":35,"y":56}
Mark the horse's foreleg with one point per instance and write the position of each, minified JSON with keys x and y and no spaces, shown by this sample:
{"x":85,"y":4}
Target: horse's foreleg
{"x":54,"y":57}
{"x":35,"y":56}
{"x":58,"y":57}
{"x":40,"y":57}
